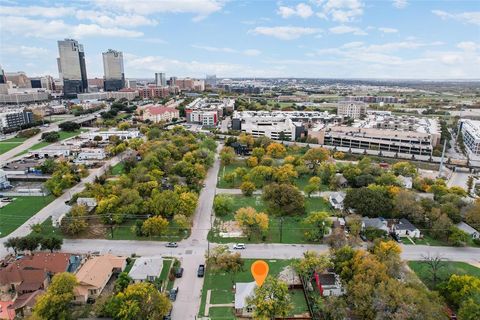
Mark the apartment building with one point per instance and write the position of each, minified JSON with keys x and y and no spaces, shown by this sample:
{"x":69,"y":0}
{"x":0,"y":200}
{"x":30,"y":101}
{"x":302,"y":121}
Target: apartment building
{"x":208,"y":111}
{"x":11,"y":120}
{"x":470,"y":130}
{"x":156,"y":92}
{"x":354,"y":110}
{"x":158,"y":113}
{"x":122,"y":94}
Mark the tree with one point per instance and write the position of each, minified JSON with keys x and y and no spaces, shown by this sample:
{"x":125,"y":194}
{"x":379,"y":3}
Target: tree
{"x":251,"y":221}
{"x":313,"y":157}
{"x":354,"y":224}
{"x":406,"y":205}
{"x":441,"y":227}
{"x":337,"y":239}
{"x":472,"y":215}
{"x":74,"y":221}
{"x":368,"y":202}
{"x":271,"y":300}
{"x":227,"y":155}
{"x":312,"y":261}
{"x":182,"y":222}
{"x":252,"y":162}
{"x":30,"y":243}
{"x":435,"y":264}
{"x":138,"y":301}
{"x":457,"y":237}
{"x":122,"y":282}
{"x":247,"y":188}
{"x":284,"y":199}
{"x":404,"y":168}
{"x":470,"y":308}
{"x":388,"y":252}
{"x":12,"y":243}
{"x":317,"y":225}
{"x":154,"y":226}
{"x":285,"y":173}
{"x":187,"y":203}
{"x":222,"y":259}
{"x":246,"y":139}
{"x":51,"y":243}
{"x":459,"y":288}
{"x":69,"y":126}
{"x":222,"y":205}
{"x":51,"y":136}
{"x":258,"y":153}
{"x":54,"y":304}
{"x":276,"y":150}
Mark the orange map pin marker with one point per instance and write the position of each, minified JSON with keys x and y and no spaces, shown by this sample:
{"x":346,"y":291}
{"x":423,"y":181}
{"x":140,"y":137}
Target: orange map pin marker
{"x":259,"y":271}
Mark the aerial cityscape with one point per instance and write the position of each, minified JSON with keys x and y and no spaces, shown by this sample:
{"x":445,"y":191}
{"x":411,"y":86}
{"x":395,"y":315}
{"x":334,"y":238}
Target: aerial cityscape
{"x":214,"y":159}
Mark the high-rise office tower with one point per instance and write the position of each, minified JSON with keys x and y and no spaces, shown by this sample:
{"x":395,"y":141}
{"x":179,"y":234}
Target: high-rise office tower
{"x":113,"y":70}
{"x":211,"y":80}
{"x":160,"y":79}
{"x":71,"y":67}
{"x":2,"y":76}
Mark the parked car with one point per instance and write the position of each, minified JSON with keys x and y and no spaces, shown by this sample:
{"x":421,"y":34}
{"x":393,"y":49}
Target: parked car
{"x":179,"y":273}
{"x":173,"y":294}
{"x":201,"y":271}
{"x":172,"y":245}
{"x":239,"y":246}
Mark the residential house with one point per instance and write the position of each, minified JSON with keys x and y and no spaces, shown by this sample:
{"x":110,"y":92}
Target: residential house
{"x":94,"y":275}
{"x":406,"y":182}
{"x":243,"y":290}
{"x":146,"y":269}
{"x":336,"y":200}
{"x":6,"y":311}
{"x":468,"y":229}
{"x":24,"y":303}
{"x":375,"y":223}
{"x":341,"y":181}
{"x":330,"y":284}
{"x":404,"y":228}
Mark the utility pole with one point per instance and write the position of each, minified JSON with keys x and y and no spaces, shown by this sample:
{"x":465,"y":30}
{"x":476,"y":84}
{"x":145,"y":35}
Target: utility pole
{"x":441,"y":160}
{"x":281,"y":229}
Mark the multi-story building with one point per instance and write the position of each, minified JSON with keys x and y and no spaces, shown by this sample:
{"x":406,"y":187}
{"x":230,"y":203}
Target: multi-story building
{"x":207,"y":111}
{"x":160,"y":79}
{"x":45,"y":82}
{"x":211,"y":80}
{"x":274,"y":126}
{"x":470,"y":130}
{"x":124,"y":93}
{"x":156,"y":92}
{"x":387,"y":133}
{"x":18,"y":97}
{"x":131,"y":84}
{"x":19,"y":79}
{"x":72,"y":68}
{"x":172,"y":82}
{"x":354,"y":110}
{"x":11,"y":120}
{"x":113,"y":70}
{"x":374,"y":99}
{"x":190,"y":84}
{"x":2,"y":76}
{"x":158,"y":113}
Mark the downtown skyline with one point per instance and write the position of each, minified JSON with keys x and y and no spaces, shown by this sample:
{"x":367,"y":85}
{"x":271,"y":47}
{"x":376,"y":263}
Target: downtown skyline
{"x":316,"y":39}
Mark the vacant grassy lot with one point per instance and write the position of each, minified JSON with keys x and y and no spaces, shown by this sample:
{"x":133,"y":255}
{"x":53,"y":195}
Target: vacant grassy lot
{"x":47,"y":229}
{"x":20,"y":210}
{"x":9,"y":144}
{"x":221,"y":285}
{"x":118,"y":169}
{"x":125,"y":232}
{"x":422,"y":270}
{"x":288,"y":230}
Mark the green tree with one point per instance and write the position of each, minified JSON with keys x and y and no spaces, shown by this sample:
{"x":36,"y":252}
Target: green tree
{"x":271,"y":300}
{"x":12,"y":243}
{"x":74,"y":221}
{"x":251,"y":221}
{"x":222,"y":205}
{"x":221,"y":259}
{"x":182,"y":222}
{"x":51,"y":136}
{"x":317,"y":225}
{"x":227,"y":155}
{"x":404,"y":168}
{"x":54,"y":304}
{"x":122,"y":282}
{"x":457,"y":237}
{"x":284,"y":199}
{"x":406,"y":205}
{"x":138,"y":301}
{"x":69,"y":126}
{"x":470,"y":308}
{"x":368,"y":202}
{"x":459,"y":288}
{"x":51,"y":243}
{"x":312,"y":261}
{"x":313,"y":157}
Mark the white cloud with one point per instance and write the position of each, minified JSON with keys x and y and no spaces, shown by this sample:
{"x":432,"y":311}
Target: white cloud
{"x":302,"y":10}
{"x":468,"y":45}
{"x":105,"y":20}
{"x":399,"y":4}
{"x":252,"y":52}
{"x":214,"y":49}
{"x":201,"y":8}
{"x":341,"y":10}
{"x":388,"y":30}
{"x":472,"y":17}
{"x":27,"y":51}
{"x":347,"y":29}
{"x":285,"y":32}
{"x":47,"y":12}
{"x":56,"y":29}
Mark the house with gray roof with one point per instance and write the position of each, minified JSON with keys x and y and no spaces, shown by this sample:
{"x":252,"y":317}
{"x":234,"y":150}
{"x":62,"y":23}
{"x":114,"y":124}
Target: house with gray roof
{"x":468,"y":229}
{"x":404,"y":228}
{"x":146,"y":269}
{"x":243,"y":290}
{"x":375,"y":223}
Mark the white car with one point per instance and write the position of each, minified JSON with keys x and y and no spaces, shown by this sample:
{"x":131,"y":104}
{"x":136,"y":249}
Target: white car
{"x":239,"y":246}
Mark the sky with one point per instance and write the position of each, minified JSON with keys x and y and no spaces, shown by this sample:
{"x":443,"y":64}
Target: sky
{"x":398,"y":39}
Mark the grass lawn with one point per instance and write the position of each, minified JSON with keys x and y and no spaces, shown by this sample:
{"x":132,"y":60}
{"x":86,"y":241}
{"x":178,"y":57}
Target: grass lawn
{"x":46,"y":229}
{"x":291,"y":230}
{"x":20,"y":210}
{"x":228,"y":169}
{"x":427,"y":240}
{"x":9,"y":144}
{"x":63,"y":135}
{"x":421,"y":269}
{"x":118,"y":169}
{"x":222,"y":289}
{"x":124,"y":232}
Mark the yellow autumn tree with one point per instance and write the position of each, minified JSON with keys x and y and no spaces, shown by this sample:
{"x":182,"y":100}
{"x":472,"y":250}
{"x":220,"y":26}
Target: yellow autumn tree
{"x":276,"y":150}
{"x":251,"y":221}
